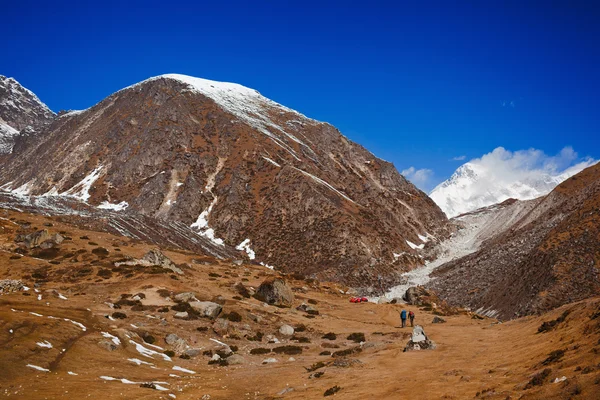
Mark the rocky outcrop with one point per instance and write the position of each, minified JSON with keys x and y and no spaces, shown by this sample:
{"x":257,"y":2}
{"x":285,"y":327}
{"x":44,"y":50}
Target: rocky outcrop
{"x":240,"y":170}
{"x":276,"y":292}
{"x":154,"y":258}
{"x":21,"y":114}
{"x":42,"y":239}
{"x":10,"y":286}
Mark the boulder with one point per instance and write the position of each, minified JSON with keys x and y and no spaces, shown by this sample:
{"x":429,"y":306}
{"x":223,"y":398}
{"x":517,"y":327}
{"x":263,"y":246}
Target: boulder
{"x":438,"y":320}
{"x":185,"y":296}
{"x":269,"y":360}
{"x":156,"y":257}
{"x":192,"y":352}
{"x":276,"y":292}
{"x":171,"y":338}
{"x":286,"y":330}
{"x":207,"y":308}
{"x":419,"y":340}
{"x":412,"y":296}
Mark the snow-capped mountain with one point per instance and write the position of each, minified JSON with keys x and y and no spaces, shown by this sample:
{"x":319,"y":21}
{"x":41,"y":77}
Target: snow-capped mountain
{"x":21,"y":111}
{"x":238,"y":169}
{"x":474,"y":185}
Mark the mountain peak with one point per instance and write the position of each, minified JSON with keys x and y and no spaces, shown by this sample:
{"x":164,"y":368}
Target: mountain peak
{"x":474,"y":185}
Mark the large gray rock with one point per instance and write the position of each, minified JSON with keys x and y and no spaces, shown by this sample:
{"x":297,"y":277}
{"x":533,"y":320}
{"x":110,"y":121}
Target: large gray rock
{"x":412,"y":296}
{"x":418,"y":334}
{"x":207,"y":308}
{"x":171,"y":338}
{"x":276,"y":292}
{"x":438,"y":320}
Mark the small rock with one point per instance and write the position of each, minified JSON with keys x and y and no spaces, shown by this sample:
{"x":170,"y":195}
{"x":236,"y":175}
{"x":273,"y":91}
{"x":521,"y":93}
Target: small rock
{"x":269,"y":361}
{"x":171,"y":338}
{"x":192,"y":352}
{"x":182,"y":315}
{"x":185,"y":296}
{"x":215,"y":357}
{"x":438,"y":320}
{"x":286,"y":330}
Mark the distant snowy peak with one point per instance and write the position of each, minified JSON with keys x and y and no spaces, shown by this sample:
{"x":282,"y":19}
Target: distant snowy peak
{"x":21,"y":108}
{"x":474,"y":186}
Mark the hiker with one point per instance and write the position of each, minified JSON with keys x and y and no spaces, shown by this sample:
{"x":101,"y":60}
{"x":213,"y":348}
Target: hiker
{"x":403,"y":318}
{"x":411,"y":316}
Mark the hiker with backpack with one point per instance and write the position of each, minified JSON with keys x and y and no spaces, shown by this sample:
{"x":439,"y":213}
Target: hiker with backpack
{"x":411,"y":316}
{"x":403,"y":318}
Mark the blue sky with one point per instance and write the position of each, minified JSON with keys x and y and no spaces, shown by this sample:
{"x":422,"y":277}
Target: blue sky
{"x":417,"y":83}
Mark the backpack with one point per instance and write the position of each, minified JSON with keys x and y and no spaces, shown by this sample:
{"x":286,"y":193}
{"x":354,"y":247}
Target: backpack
{"x":403,"y":314}
{"x":411,"y":314}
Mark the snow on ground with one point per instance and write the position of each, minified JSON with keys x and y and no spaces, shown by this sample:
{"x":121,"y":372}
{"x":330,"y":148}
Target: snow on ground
{"x":149,"y":353}
{"x":114,"y":339}
{"x":271,"y":161}
{"x":245,"y":246}
{"x":475,"y":228}
{"x":46,"y":344}
{"x":38,"y":368}
{"x":322,"y":182}
{"x":81,"y":190}
{"x":177,"y":368}
{"x":115,"y":207}
{"x":414,"y":246}
{"x":202,"y":228}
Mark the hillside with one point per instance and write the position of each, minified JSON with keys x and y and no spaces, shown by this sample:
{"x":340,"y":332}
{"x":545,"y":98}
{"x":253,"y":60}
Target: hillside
{"x":547,"y":258}
{"x":238,"y":169}
{"x":21,"y":111}
{"x":85,"y":327}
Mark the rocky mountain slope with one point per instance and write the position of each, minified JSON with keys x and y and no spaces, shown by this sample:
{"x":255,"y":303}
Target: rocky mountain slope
{"x":239,"y":169}
{"x":473,"y":186}
{"x":547,"y":258}
{"x":88,"y":318}
{"x":20,"y":111}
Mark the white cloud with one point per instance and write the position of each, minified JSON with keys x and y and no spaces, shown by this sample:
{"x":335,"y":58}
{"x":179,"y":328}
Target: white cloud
{"x":419,"y":177}
{"x":501,"y":174}
{"x":459,"y":158}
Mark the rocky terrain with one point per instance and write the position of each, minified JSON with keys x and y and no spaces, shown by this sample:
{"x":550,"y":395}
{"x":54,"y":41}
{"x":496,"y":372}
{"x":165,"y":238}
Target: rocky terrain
{"x":240,"y":170}
{"x":85,"y":313}
{"x":548,"y":257}
{"x":21,"y":112}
